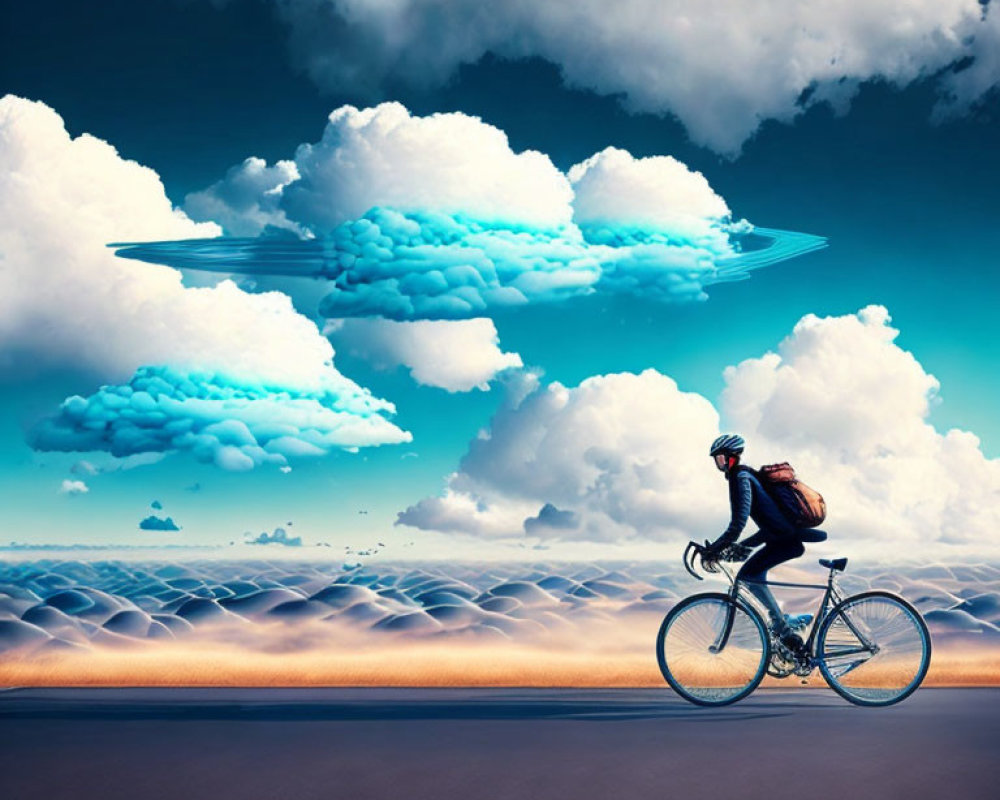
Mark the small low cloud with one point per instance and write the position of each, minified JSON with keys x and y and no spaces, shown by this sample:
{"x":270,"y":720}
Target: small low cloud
{"x":247,"y":200}
{"x":155,"y":523}
{"x":280,"y":536}
{"x":156,"y":504}
{"x":73,"y":488}
{"x":550,"y":517}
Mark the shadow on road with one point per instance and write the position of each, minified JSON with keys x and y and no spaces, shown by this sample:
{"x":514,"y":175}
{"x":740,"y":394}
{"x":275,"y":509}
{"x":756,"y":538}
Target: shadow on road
{"x":268,"y":705}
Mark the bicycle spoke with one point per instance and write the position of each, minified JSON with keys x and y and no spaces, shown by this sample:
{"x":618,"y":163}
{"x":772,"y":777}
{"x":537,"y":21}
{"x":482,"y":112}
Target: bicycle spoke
{"x":874,"y":649}
{"x":689,"y":662}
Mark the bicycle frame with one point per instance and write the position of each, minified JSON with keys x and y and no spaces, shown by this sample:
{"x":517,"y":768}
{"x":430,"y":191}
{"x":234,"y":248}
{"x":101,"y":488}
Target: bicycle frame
{"x":717,"y":656}
{"x":831,"y":597}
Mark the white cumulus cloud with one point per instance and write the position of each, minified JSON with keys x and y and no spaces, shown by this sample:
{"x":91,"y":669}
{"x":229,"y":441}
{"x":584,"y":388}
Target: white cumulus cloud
{"x":656,"y":192}
{"x":247,"y":200}
{"x":408,"y":217}
{"x":721,"y":68}
{"x":72,"y":487}
{"x":65,"y":299}
{"x":847,"y":405}
{"x":612,"y":189}
{"x":431,"y":219}
{"x":457,"y":356}
{"x":452,"y":163}
{"x":625,"y":454}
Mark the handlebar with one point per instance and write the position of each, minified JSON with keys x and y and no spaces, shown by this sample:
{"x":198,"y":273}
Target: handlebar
{"x":695,"y":550}
{"x":689,"y":558}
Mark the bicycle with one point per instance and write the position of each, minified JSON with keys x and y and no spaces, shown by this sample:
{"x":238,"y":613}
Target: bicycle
{"x":714,"y":649}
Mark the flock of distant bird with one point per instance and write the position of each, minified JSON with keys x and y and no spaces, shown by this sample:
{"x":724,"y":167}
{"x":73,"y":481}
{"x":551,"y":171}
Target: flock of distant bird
{"x":348,"y":549}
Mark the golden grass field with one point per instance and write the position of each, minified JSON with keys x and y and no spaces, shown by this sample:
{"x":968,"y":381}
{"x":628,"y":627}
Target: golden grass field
{"x":403,"y":664}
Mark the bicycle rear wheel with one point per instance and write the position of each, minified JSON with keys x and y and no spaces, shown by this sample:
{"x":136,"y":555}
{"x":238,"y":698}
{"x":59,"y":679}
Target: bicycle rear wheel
{"x":700,"y":662}
{"x":873,"y":649}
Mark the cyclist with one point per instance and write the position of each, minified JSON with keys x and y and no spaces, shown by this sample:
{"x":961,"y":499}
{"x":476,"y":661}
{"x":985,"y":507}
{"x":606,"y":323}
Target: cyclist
{"x":782,"y":540}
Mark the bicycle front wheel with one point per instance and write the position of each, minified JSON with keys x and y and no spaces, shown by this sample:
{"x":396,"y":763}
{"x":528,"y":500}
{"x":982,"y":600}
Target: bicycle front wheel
{"x":712,"y":650}
{"x":874,"y":649}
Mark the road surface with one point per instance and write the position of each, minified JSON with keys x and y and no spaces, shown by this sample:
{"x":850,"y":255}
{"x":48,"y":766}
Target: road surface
{"x":411,"y":744}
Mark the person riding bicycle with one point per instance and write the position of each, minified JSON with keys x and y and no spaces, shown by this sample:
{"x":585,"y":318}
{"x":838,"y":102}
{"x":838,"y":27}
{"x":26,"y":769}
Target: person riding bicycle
{"x":782,"y":540}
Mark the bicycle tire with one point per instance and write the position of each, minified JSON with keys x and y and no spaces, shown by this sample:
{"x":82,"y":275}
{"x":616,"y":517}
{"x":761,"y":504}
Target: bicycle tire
{"x":741,"y":651}
{"x":903,"y":634}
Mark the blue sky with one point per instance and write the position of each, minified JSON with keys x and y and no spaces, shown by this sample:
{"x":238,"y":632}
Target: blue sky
{"x":907,"y":204}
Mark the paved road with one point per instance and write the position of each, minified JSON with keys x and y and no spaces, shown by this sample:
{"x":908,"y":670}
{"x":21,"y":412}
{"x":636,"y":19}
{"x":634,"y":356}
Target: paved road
{"x":298,"y":744}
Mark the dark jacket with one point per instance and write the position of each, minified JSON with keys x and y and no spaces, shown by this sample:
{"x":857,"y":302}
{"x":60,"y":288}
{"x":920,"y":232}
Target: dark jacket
{"x":749,"y":500}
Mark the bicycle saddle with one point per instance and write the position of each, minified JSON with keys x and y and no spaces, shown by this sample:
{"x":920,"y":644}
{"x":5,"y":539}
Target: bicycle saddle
{"x":839,"y":564}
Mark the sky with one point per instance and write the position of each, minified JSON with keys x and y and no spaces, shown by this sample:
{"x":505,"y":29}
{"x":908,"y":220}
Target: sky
{"x":595,"y":392}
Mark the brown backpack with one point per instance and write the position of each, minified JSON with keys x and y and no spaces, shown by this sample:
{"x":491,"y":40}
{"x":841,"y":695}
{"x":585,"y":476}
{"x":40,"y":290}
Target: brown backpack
{"x":803,"y":505}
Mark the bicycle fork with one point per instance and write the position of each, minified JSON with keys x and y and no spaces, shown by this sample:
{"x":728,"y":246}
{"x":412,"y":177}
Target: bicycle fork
{"x":727,"y":628}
